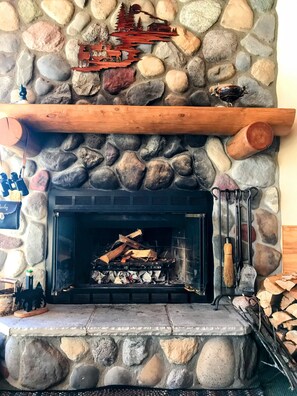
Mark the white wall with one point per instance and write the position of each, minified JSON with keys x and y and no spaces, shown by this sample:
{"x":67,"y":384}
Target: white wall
{"x":287,"y":97}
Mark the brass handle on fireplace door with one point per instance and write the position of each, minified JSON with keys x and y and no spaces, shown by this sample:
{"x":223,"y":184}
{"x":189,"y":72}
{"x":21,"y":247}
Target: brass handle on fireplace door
{"x":192,"y":289}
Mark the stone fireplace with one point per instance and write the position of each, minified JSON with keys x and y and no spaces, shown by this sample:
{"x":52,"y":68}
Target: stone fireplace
{"x":171,"y":341}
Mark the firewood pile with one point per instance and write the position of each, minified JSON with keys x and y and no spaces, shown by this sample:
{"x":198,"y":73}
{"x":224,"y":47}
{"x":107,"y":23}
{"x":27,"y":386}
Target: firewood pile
{"x":130,"y":261}
{"x":278,"y":299}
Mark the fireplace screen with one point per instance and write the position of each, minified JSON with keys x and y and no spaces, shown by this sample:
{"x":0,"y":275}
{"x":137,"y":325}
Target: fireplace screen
{"x":129,"y":247}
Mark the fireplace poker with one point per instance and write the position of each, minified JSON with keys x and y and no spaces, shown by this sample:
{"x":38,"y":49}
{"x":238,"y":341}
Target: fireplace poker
{"x":228,"y":273}
{"x":238,"y":242}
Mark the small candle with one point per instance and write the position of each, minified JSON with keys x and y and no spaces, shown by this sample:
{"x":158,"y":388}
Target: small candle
{"x":29,"y":279}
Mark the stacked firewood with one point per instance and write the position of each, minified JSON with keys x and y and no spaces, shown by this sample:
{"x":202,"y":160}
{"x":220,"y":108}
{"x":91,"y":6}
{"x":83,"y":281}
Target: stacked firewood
{"x":278,"y":298}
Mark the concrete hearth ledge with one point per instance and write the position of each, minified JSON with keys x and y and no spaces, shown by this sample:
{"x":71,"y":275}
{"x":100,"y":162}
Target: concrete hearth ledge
{"x":136,"y":319}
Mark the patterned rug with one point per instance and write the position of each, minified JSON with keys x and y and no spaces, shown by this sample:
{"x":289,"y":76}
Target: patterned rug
{"x":135,"y":391}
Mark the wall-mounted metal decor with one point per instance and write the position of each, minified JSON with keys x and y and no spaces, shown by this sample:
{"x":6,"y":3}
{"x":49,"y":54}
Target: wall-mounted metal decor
{"x":104,"y":55}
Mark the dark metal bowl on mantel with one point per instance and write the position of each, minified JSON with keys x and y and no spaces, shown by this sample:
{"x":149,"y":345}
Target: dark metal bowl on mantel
{"x":228,"y":93}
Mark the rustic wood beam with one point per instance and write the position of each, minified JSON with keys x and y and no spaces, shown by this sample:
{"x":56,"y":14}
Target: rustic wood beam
{"x":147,"y":119}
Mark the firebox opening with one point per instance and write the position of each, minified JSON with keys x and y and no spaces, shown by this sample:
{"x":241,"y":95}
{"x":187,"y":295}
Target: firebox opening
{"x":170,"y":252}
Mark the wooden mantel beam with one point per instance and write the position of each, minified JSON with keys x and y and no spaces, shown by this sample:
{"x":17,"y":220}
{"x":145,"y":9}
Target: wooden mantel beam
{"x":146,"y":119}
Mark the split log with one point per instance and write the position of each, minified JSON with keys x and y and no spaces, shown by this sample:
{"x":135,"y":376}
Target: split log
{"x":292,"y":336}
{"x":292,"y":310}
{"x":291,"y":347}
{"x":250,"y":140}
{"x":148,"y":254}
{"x":287,"y":299}
{"x":272,"y":287}
{"x":129,"y":242}
{"x":107,"y":257}
{"x":279,"y":318}
{"x":18,"y":138}
{"x":290,"y":325}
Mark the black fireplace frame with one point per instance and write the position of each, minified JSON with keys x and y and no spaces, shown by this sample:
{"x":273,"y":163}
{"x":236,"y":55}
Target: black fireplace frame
{"x":121,"y":201}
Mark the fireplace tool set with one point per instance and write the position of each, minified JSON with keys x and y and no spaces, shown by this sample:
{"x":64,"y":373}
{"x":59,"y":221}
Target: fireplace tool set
{"x":237,"y":274}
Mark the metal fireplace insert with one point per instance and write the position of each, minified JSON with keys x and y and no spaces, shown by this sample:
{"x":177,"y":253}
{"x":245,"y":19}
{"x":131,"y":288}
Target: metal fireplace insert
{"x":164,"y":239}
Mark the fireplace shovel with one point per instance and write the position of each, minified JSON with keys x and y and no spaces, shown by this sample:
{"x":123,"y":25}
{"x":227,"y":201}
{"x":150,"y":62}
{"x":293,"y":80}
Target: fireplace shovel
{"x":228,"y":273}
{"x":248,"y":273}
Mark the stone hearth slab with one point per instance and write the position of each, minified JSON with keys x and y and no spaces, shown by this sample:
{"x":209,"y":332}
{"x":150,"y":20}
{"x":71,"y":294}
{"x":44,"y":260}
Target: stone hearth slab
{"x":128,"y":319}
{"x":201,"y":319}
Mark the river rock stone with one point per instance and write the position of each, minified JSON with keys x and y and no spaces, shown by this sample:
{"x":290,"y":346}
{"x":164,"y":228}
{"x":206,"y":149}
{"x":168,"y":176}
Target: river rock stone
{"x":262,"y":5}
{"x":54,"y":67}
{"x":71,"y":51}
{"x":144,"y":93}
{"x":173,"y":146}
{"x":7,"y":63}
{"x":85,"y":84}
{"x":238,"y":16}
{"x":256,"y":47}
{"x":126,"y":142}
{"x":84,"y":377}
{"x":186,"y":41}
{"x":170,"y":55}
{"x":131,"y":171}
{"x":203,"y":168}
{"x":104,"y":179}
{"x":94,"y":140}
{"x":217,"y":155}
{"x":5,"y":86}
{"x":43,"y":36}
{"x":175,"y":100}
{"x":9,"y":42}
{"x":71,"y":178}
{"x":196,"y":72}
{"x":182,"y":164}
{"x":201,"y":15}
{"x":268,"y":226}
{"x":115,"y":80}
{"x":152,"y":373}
{"x":61,"y":95}
{"x":15,"y":264}
{"x":150,"y":66}
{"x":134,"y":351}
{"x":256,"y":95}
{"x":12,"y":356}
{"x":199,"y":98}
{"x":179,"y":350}
{"x":221,"y":72}
{"x":102,"y":100}
{"x":28,"y":10}
{"x":8,"y":242}
{"x":72,"y":141}
{"x":179,"y":378}
{"x":35,"y":243}
{"x":40,"y":181}
{"x":60,"y":11}
{"x":78,"y":23}
{"x":57,"y":160}
{"x":186,"y":183}
{"x":24,"y":67}
{"x":111,"y":154}
{"x":166,"y":9}
{"x":267,"y":259}
{"x":243,"y":61}
{"x":42,"y":87}
{"x":219,"y":45}
{"x":224,"y":182}
{"x":263,"y":70}
{"x":104,"y":350}
{"x":159,"y":175}
{"x":74,"y":347}
{"x":146,"y":5}
{"x":89,"y":158}
{"x":117,"y":376}
{"x":271,"y":199}
{"x":101,"y":9}
{"x":216,"y":363}
{"x":264,"y":28}
{"x":35,"y":205}
{"x":53,"y":367}
{"x":95,"y":32}
{"x":256,"y":171}
{"x":153,"y":145}
{"x":177,"y":81}
{"x":9,"y":18}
